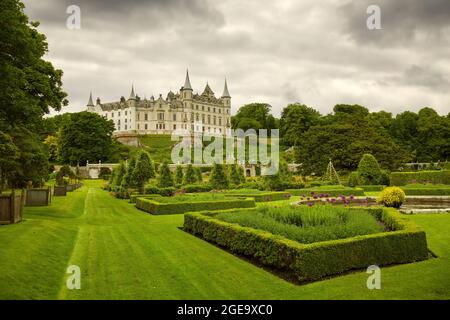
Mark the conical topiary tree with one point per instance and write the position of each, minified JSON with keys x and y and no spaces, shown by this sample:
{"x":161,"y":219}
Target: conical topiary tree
{"x":218,"y":179}
{"x":190,"y":177}
{"x":198,"y":172}
{"x":118,"y":174}
{"x":165,"y":178}
{"x":143,"y":170}
{"x":179,"y":175}
{"x":331,"y":174}
{"x":369,"y":171}
{"x":236,"y":175}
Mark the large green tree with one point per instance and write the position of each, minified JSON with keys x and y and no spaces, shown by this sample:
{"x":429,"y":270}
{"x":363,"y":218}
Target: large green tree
{"x":86,"y":136}
{"x":295,"y":120}
{"x":143,"y":170}
{"x":254,"y":116}
{"x":30,"y":87}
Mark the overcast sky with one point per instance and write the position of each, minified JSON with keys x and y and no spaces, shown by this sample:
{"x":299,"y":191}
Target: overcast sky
{"x":315,"y":52}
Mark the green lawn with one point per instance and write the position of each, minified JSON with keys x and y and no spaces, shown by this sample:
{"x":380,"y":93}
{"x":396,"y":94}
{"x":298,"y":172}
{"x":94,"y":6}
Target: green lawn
{"x":125,"y":253}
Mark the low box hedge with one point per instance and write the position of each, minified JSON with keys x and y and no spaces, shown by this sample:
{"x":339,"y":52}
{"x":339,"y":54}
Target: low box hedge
{"x":262,"y":196}
{"x":308,"y":262}
{"x":331,"y":192}
{"x":133,"y":197}
{"x":154,"y":207}
{"x":372,"y":188}
{"x":436,"y":177}
{"x":426,"y":191}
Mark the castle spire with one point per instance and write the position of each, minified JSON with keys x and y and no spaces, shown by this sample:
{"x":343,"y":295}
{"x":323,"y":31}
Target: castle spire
{"x":187,"y":82}
{"x":132,"y":95}
{"x":90,"y":102}
{"x":225,"y":93}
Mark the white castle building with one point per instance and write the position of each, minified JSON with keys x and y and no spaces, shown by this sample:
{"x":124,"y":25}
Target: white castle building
{"x":195,"y":113}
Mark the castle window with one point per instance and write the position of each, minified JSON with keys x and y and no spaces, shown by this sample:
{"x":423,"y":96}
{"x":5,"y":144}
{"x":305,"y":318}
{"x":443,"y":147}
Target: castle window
{"x":214,"y":109}
{"x":209,"y":109}
{"x":164,"y":126}
{"x":161,"y":116}
{"x":196,"y":107}
{"x":119,"y":113}
{"x":118,"y":122}
{"x":214,"y":120}
{"x":138,"y":126}
{"x":125,"y":127}
{"x":220,"y":110}
{"x":146,"y":127}
{"x":197,"y":117}
{"x":209,"y":119}
{"x":126,"y":120}
{"x":146,"y":117}
{"x":174,"y":117}
{"x":220,"y":121}
{"x":174,"y":127}
{"x":112,"y":114}
{"x":138,"y":116}
{"x":126,"y":112}
{"x":203,"y":108}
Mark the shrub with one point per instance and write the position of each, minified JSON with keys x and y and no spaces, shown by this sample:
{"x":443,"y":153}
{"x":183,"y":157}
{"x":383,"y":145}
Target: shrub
{"x":353,"y":179}
{"x":251,"y":185}
{"x":198,"y":172}
{"x":426,"y":191}
{"x":369,"y":171}
{"x":179,"y":175}
{"x":184,"y":204}
{"x":436,"y":177}
{"x":166,"y":192}
{"x":372,"y":188}
{"x":143,"y":170}
{"x":191,"y":175}
{"x":236,"y":175}
{"x":218,"y":179}
{"x":127,"y":179}
{"x":279,"y":180}
{"x":392,"y":197}
{"x":165,"y":178}
{"x":117,"y":175}
{"x":308,"y":262}
{"x":104,"y":173}
{"x":193,"y":188}
{"x":385,"y":178}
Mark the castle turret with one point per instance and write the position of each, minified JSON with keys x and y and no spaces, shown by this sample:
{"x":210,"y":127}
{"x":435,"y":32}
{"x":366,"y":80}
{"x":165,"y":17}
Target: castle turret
{"x":226,"y":98}
{"x":90,"y":105}
{"x":132,"y":95}
{"x":186,"y":90}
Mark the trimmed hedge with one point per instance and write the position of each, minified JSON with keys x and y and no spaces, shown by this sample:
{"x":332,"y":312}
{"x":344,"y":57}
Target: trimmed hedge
{"x":262,"y":196}
{"x":426,"y":191}
{"x":371,"y":188}
{"x":133,"y":197}
{"x":308,"y":262}
{"x":435,"y":177}
{"x":167,"y":192}
{"x":332,"y":191}
{"x":154,"y":207}
{"x":191,"y":188}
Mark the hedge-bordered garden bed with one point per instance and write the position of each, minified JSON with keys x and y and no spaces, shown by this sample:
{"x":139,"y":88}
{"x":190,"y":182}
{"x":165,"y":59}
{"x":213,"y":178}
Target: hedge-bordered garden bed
{"x":330,"y":191}
{"x":156,"y":206}
{"x":403,"y":178}
{"x":308,"y":262}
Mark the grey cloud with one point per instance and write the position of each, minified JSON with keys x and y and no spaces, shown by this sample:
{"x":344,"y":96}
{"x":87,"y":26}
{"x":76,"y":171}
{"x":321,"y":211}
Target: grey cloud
{"x":270,"y":51}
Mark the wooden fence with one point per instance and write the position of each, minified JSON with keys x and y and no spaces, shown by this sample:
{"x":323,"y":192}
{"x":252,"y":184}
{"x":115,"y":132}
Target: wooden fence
{"x":38,"y":197}
{"x":11,"y":207}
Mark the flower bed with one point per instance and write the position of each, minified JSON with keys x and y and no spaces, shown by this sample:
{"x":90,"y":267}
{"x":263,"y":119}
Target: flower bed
{"x":307,"y":262}
{"x":259,"y":196}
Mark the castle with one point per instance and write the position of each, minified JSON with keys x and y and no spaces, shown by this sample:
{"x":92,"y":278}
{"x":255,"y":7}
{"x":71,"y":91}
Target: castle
{"x":193,"y":113}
